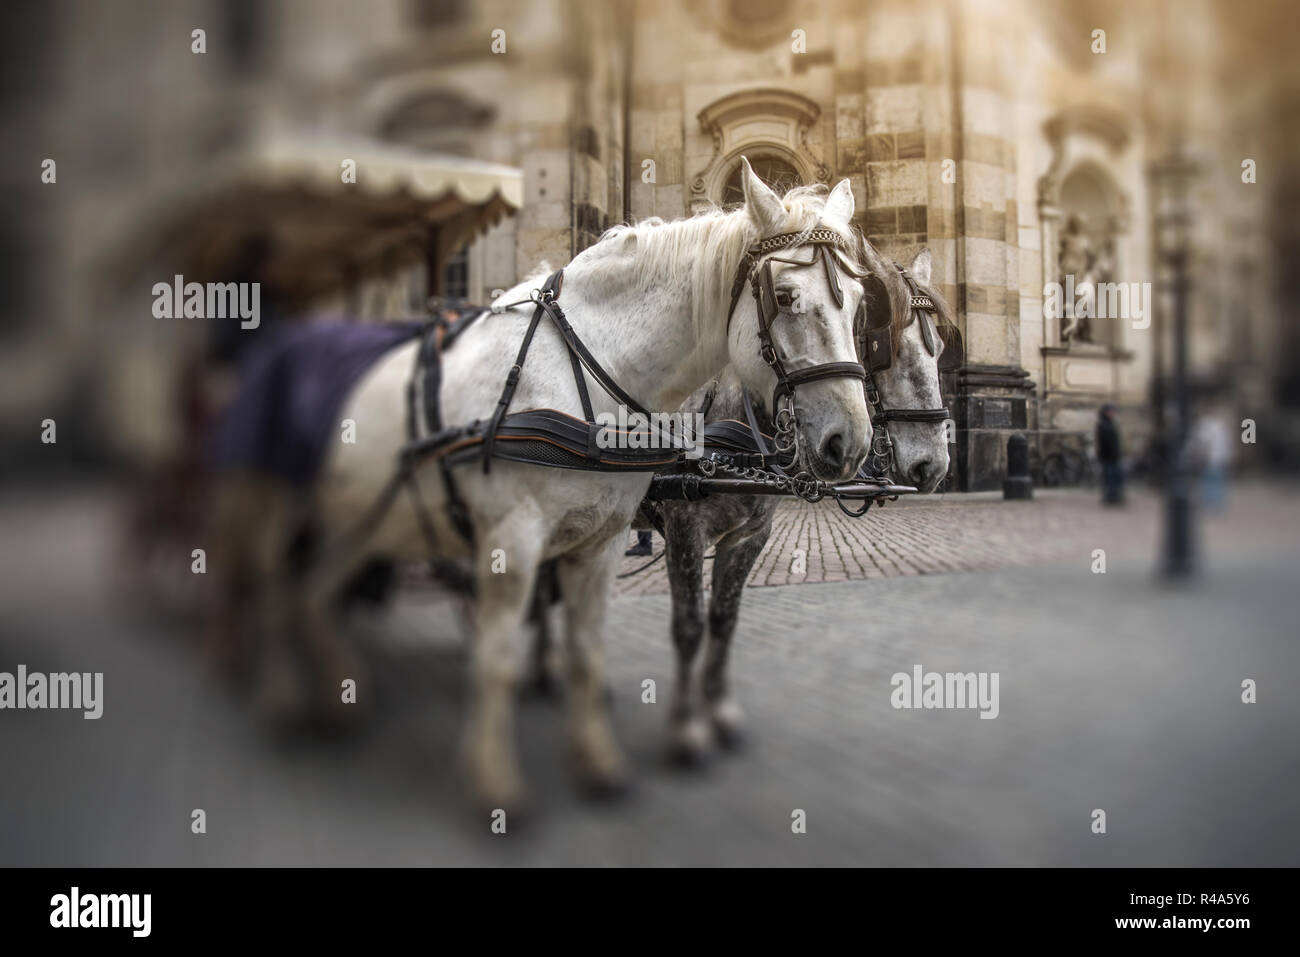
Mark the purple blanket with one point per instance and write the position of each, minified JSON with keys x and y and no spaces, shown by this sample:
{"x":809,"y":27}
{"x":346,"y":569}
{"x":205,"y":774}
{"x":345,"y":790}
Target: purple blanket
{"x":291,"y":391}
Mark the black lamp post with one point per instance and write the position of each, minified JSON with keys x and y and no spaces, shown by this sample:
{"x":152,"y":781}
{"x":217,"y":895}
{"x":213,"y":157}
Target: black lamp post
{"x":1171,"y":183}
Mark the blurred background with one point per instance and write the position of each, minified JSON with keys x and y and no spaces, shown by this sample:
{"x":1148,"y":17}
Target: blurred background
{"x":1023,"y":141}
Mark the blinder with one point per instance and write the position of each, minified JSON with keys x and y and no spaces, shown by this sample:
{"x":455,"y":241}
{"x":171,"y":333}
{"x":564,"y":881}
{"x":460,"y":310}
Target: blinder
{"x":832,"y":276}
{"x":931,"y":338}
{"x":878,"y":340}
{"x":878,"y":355}
{"x":769,"y":308}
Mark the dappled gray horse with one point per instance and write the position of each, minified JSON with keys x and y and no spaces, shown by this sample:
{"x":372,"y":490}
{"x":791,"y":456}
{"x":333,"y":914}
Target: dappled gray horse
{"x":738,"y":526}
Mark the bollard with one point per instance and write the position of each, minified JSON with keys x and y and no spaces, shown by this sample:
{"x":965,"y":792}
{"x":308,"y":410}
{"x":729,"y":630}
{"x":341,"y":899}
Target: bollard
{"x":1018,"y":484}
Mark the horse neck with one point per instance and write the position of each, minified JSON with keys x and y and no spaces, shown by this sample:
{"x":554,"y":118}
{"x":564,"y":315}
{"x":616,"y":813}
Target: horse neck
{"x":645,"y":332}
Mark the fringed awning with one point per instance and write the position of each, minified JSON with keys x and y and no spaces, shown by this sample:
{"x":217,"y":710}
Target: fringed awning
{"x":310,"y":216}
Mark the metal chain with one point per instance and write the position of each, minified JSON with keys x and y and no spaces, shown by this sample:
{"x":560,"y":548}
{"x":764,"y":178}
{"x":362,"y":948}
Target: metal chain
{"x":802,"y":484}
{"x":786,"y":441}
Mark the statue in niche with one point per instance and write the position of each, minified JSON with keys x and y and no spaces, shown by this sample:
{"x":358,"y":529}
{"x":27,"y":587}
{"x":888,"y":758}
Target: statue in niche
{"x":1083,"y":266}
{"x":1077,"y":262}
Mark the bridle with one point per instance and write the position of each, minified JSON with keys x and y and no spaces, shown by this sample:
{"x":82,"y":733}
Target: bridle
{"x":878,"y":355}
{"x":755,"y":268}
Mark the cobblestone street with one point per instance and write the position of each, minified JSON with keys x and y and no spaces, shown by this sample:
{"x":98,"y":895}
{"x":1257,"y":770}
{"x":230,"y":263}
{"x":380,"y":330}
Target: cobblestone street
{"x":936,"y":534}
{"x":1117,"y":693}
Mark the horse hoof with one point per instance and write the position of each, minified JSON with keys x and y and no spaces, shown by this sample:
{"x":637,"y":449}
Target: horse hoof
{"x":688,"y":742}
{"x":728,"y":724}
{"x":603,"y":776}
{"x":605,"y":786}
{"x":495,"y":781}
{"x":501,"y":794}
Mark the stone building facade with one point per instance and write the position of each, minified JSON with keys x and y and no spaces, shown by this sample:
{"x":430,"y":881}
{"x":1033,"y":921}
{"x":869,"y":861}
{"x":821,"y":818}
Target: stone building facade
{"x":1008,"y":136}
{"x":999,"y":133}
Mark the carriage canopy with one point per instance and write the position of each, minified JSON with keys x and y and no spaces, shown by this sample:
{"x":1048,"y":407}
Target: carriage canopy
{"x":327,"y":213}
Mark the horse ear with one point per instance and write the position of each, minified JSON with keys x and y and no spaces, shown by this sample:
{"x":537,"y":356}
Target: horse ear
{"x":921,"y":267}
{"x":839,"y":204}
{"x":763,"y":205}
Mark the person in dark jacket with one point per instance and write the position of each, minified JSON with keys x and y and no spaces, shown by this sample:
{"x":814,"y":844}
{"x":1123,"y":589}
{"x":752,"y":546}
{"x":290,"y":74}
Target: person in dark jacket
{"x":1108,"y":454}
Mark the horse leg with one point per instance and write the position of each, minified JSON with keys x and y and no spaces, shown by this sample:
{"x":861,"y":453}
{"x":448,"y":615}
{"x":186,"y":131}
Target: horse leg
{"x":688,"y":734}
{"x":278,"y":694}
{"x":584,"y":580}
{"x":332,"y":659}
{"x":731,"y":565}
{"x":503,"y":596}
{"x":542,"y":679}
{"x":233,"y":530}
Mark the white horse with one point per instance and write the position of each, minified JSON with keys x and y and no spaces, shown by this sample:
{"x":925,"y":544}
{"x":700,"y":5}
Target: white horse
{"x":650,"y":301}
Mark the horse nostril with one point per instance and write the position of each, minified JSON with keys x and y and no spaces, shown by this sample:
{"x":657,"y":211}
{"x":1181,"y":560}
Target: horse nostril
{"x":833,"y":451}
{"x":920,"y":472}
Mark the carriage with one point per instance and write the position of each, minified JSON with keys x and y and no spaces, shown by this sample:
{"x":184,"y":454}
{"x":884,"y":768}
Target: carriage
{"x":309,"y":219}
{"x":460,"y":454}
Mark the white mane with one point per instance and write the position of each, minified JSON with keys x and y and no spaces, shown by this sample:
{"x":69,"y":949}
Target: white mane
{"x":703,"y":251}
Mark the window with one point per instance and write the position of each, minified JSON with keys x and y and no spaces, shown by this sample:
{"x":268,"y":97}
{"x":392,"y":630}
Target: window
{"x":455,"y":276}
{"x":775,"y":172}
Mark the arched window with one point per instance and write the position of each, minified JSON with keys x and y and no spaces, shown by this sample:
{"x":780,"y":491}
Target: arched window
{"x":772,"y":170}
{"x":769,"y":127}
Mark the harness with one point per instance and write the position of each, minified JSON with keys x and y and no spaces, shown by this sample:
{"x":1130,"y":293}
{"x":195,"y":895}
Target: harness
{"x":756,"y":268}
{"x":553,"y":438}
{"x":556,"y":439}
{"x":877,"y":356}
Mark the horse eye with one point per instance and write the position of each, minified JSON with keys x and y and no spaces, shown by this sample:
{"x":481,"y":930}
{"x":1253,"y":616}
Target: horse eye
{"x":784,"y":298}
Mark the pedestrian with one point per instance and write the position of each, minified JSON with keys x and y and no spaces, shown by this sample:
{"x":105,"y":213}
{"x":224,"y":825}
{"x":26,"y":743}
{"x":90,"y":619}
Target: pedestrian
{"x":1212,"y":442}
{"x":642,"y":546}
{"x":1108,"y":454}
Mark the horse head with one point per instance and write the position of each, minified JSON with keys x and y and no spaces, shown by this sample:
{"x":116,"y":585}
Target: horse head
{"x":795,"y":340}
{"x":904,"y":329}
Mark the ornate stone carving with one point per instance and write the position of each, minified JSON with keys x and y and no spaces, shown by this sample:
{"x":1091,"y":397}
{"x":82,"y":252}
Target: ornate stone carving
{"x":763,"y":122}
{"x":1088,"y":263}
